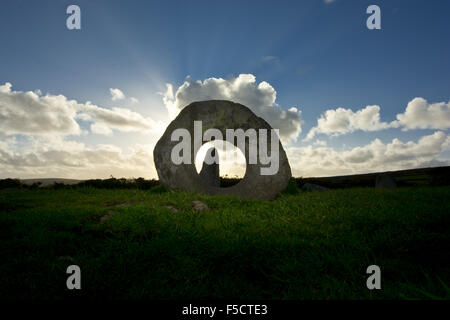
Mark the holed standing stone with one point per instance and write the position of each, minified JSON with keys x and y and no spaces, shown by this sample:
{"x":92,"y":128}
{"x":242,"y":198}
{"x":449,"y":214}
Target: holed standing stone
{"x":222,"y":115}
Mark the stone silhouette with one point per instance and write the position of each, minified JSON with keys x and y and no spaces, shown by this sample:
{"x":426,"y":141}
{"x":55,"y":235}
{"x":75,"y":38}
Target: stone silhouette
{"x":221,"y":115}
{"x":210,"y":172}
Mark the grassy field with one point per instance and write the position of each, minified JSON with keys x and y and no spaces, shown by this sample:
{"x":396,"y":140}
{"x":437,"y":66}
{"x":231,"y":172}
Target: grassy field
{"x":305,"y":245}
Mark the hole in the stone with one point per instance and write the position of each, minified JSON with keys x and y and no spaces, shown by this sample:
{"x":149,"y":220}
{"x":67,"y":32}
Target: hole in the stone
{"x":232,"y":163}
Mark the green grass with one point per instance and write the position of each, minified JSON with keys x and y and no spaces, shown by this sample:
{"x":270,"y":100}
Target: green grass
{"x":306,"y":245}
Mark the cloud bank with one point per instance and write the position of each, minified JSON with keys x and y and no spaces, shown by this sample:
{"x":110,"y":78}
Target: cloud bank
{"x":419,"y":114}
{"x":259,"y":97}
{"x":35,"y":114}
{"x":375,"y":156}
{"x":341,"y":121}
{"x":122,"y":119}
{"x":59,"y":157}
{"x":116,"y":94}
{"x":31,"y":113}
{"x":38,"y":133}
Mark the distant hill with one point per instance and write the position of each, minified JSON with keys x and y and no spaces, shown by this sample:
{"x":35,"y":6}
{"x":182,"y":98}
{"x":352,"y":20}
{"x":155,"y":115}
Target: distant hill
{"x":411,"y":177}
{"x":49,"y":181}
{"x":438,"y":176}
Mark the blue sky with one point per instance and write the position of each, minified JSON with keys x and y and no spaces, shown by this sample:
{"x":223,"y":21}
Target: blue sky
{"x":316,"y":55}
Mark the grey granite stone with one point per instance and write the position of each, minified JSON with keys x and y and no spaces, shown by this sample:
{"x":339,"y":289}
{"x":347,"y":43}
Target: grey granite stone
{"x":222,"y":115}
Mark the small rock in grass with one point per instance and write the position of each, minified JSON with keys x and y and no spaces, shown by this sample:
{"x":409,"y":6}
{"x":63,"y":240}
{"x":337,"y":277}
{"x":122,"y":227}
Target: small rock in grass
{"x":171,"y":208}
{"x":118,"y":204}
{"x":66,"y":258}
{"x":109,"y":214}
{"x":199,"y":206}
{"x":313,"y":187}
{"x":123,"y":204}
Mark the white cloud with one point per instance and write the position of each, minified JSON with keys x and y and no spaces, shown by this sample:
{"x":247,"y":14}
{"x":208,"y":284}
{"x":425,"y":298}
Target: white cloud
{"x":116,"y":94}
{"x":320,"y":143}
{"x":31,"y":113}
{"x":244,"y":89}
{"x":44,"y":148}
{"x":105,"y":120}
{"x":45,"y":123}
{"x":419,"y":114}
{"x":269,"y":58}
{"x":341,"y":121}
{"x":57,"y":157}
{"x":101,"y":128}
{"x":134,"y":100}
{"x":373,"y":157}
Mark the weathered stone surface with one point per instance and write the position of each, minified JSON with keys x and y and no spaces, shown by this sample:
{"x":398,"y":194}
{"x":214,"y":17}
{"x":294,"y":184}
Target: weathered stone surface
{"x":210,"y":172}
{"x":222,"y":115}
{"x":385,"y":181}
